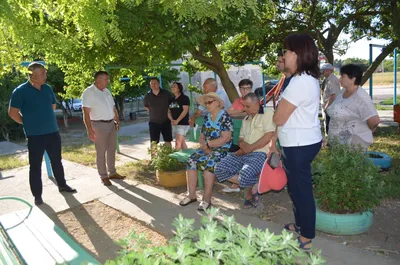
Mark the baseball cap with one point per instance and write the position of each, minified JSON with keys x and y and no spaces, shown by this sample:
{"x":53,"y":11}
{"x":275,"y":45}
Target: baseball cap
{"x":326,"y":66}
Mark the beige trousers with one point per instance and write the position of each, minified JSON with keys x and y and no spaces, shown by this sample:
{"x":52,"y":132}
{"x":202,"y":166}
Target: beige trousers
{"x":106,"y":142}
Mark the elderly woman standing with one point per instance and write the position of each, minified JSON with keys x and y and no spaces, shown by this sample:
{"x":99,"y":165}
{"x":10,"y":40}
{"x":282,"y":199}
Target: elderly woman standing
{"x":299,"y":131}
{"x":215,"y":141}
{"x":353,"y":115}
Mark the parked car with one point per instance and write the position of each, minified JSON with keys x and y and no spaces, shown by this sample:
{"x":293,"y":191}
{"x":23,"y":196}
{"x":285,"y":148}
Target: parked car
{"x":74,"y":104}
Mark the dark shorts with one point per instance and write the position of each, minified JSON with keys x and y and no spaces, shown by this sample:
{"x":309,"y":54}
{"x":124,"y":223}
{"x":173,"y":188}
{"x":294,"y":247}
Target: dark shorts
{"x":164,"y":128}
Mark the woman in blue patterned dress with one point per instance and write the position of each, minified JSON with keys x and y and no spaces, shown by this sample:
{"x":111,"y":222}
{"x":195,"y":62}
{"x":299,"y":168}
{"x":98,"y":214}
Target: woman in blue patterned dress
{"x":215,"y":141}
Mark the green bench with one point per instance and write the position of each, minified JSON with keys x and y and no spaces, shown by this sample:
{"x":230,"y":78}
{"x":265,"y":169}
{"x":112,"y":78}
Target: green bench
{"x":30,"y":237}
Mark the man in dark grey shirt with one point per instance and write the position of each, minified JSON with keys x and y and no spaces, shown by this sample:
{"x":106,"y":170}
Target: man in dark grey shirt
{"x":156,"y":102}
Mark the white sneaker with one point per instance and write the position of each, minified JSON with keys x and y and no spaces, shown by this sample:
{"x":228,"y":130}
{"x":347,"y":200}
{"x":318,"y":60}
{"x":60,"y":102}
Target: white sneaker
{"x":230,"y":190}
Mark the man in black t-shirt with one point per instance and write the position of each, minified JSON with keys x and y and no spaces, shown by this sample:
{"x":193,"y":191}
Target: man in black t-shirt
{"x":179,"y":115}
{"x":156,"y":102}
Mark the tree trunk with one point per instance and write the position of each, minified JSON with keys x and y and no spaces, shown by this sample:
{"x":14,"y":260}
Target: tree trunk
{"x":120,"y":107}
{"x":385,"y":52}
{"x":65,"y":116}
{"x":215,"y":63}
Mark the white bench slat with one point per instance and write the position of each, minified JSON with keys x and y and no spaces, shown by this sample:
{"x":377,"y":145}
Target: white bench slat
{"x":42,"y":242}
{"x":32,"y":252}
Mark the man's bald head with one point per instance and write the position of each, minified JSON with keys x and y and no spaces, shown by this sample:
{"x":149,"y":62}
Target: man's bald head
{"x":210,"y":85}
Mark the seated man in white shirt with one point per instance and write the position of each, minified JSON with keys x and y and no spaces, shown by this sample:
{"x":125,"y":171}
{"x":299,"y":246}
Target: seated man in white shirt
{"x":210,"y":85}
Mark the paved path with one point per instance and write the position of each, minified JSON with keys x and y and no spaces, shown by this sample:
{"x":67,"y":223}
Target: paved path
{"x":154,"y":206}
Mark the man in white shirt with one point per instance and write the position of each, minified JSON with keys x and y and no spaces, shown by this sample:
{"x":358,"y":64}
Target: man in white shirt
{"x":210,"y":85}
{"x":102,"y":121}
{"x":331,"y":88}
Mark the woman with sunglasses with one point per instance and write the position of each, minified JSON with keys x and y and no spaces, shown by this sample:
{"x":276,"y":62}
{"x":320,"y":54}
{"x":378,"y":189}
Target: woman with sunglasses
{"x":299,"y":131}
{"x":215,"y":141}
{"x":178,"y":113}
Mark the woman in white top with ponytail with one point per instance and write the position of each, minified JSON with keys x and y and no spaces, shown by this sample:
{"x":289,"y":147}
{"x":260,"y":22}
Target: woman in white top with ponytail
{"x":299,"y":131}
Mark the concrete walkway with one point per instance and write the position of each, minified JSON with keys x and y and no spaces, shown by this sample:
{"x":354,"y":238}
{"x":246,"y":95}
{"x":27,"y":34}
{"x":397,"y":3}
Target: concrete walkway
{"x":156,"y":207}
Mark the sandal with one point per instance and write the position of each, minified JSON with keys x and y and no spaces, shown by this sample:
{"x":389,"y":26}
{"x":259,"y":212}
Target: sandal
{"x":296,"y":229}
{"x":256,"y":199}
{"x":304,"y":244}
{"x":187,"y":201}
{"x":248,"y":204}
{"x":203,"y":206}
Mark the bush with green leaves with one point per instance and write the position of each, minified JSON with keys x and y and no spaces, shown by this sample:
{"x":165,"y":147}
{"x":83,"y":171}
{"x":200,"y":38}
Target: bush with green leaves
{"x":220,"y":240}
{"x":345,"y":180}
{"x":162,"y":161}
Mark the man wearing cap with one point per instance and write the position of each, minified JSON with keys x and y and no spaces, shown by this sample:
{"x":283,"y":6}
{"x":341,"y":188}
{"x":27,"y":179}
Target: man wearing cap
{"x":330,"y":88}
{"x":245,"y":165}
{"x":210,"y":85}
{"x":32,"y":104}
{"x":102,"y":121}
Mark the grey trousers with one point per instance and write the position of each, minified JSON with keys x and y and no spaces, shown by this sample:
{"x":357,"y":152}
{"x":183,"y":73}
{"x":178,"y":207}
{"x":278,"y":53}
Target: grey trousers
{"x":106,"y":142}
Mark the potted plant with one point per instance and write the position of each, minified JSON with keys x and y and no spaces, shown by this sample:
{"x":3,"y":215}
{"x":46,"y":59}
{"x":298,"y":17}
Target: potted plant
{"x":346,"y":188}
{"x":169,"y":171}
{"x":220,"y":240}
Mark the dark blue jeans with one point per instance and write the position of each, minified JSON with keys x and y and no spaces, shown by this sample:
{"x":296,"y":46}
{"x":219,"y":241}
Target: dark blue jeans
{"x":37,"y":144}
{"x":297,"y":164}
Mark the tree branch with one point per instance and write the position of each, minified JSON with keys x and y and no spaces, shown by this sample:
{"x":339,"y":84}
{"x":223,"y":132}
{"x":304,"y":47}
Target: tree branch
{"x":385,"y":52}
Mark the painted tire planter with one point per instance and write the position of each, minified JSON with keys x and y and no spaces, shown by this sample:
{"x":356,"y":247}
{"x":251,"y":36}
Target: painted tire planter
{"x":171,"y":179}
{"x":382,"y":160}
{"x":344,"y":224}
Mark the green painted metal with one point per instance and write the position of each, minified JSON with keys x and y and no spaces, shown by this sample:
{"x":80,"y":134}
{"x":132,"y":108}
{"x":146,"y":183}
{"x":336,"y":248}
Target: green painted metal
{"x":10,"y":254}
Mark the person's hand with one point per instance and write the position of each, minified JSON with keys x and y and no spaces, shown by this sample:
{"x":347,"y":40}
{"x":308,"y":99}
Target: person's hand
{"x":245,"y":147}
{"x":273,"y":148}
{"x":191,"y":121}
{"x":174,"y":122}
{"x":240,"y":152}
{"x":92,"y":135}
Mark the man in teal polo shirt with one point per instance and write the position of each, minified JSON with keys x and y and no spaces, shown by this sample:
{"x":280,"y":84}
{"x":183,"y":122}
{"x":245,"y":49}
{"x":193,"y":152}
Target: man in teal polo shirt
{"x":32,"y":104}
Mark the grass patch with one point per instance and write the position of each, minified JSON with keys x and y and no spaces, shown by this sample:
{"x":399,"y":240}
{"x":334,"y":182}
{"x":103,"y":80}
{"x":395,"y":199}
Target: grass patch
{"x":389,"y":101}
{"x":387,"y":140}
{"x":140,"y":171}
{"x":124,"y":138}
{"x":383,"y":107}
{"x":382,"y":78}
{"x":12,"y":161}
{"x":84,"y":154}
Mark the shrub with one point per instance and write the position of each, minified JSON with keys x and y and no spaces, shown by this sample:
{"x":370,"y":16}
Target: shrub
{"x":162,"y":161}
{"x":345,"y":180}
{"x":219,"y":241}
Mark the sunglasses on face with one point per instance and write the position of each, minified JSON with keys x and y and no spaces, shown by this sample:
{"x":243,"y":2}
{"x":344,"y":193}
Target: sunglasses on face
{"x":209,"y":102}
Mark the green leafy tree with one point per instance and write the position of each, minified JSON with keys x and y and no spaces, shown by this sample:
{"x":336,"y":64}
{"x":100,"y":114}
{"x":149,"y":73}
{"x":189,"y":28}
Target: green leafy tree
{"x":9,"y":129}
{"x":84,"y":36}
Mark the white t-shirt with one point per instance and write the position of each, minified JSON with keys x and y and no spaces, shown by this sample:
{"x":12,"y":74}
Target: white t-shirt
{"x":303,"y":127}
{"x":101,"y":103}
{"x":222,"y":94}
{"x":349,"y":118}
{"x":332,"y":87}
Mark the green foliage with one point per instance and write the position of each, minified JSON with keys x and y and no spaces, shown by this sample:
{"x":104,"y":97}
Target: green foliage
{"x":387,"y":140}
{"x":221,"y":240}
{"x":345,"y":180}
{"x":9,"y":129}
{"x":162,"y":161}
{"x":389,"y":101}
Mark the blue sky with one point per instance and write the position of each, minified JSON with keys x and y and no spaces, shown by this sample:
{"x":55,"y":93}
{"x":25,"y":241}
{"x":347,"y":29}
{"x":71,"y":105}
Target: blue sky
{"x":360,"y":49}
